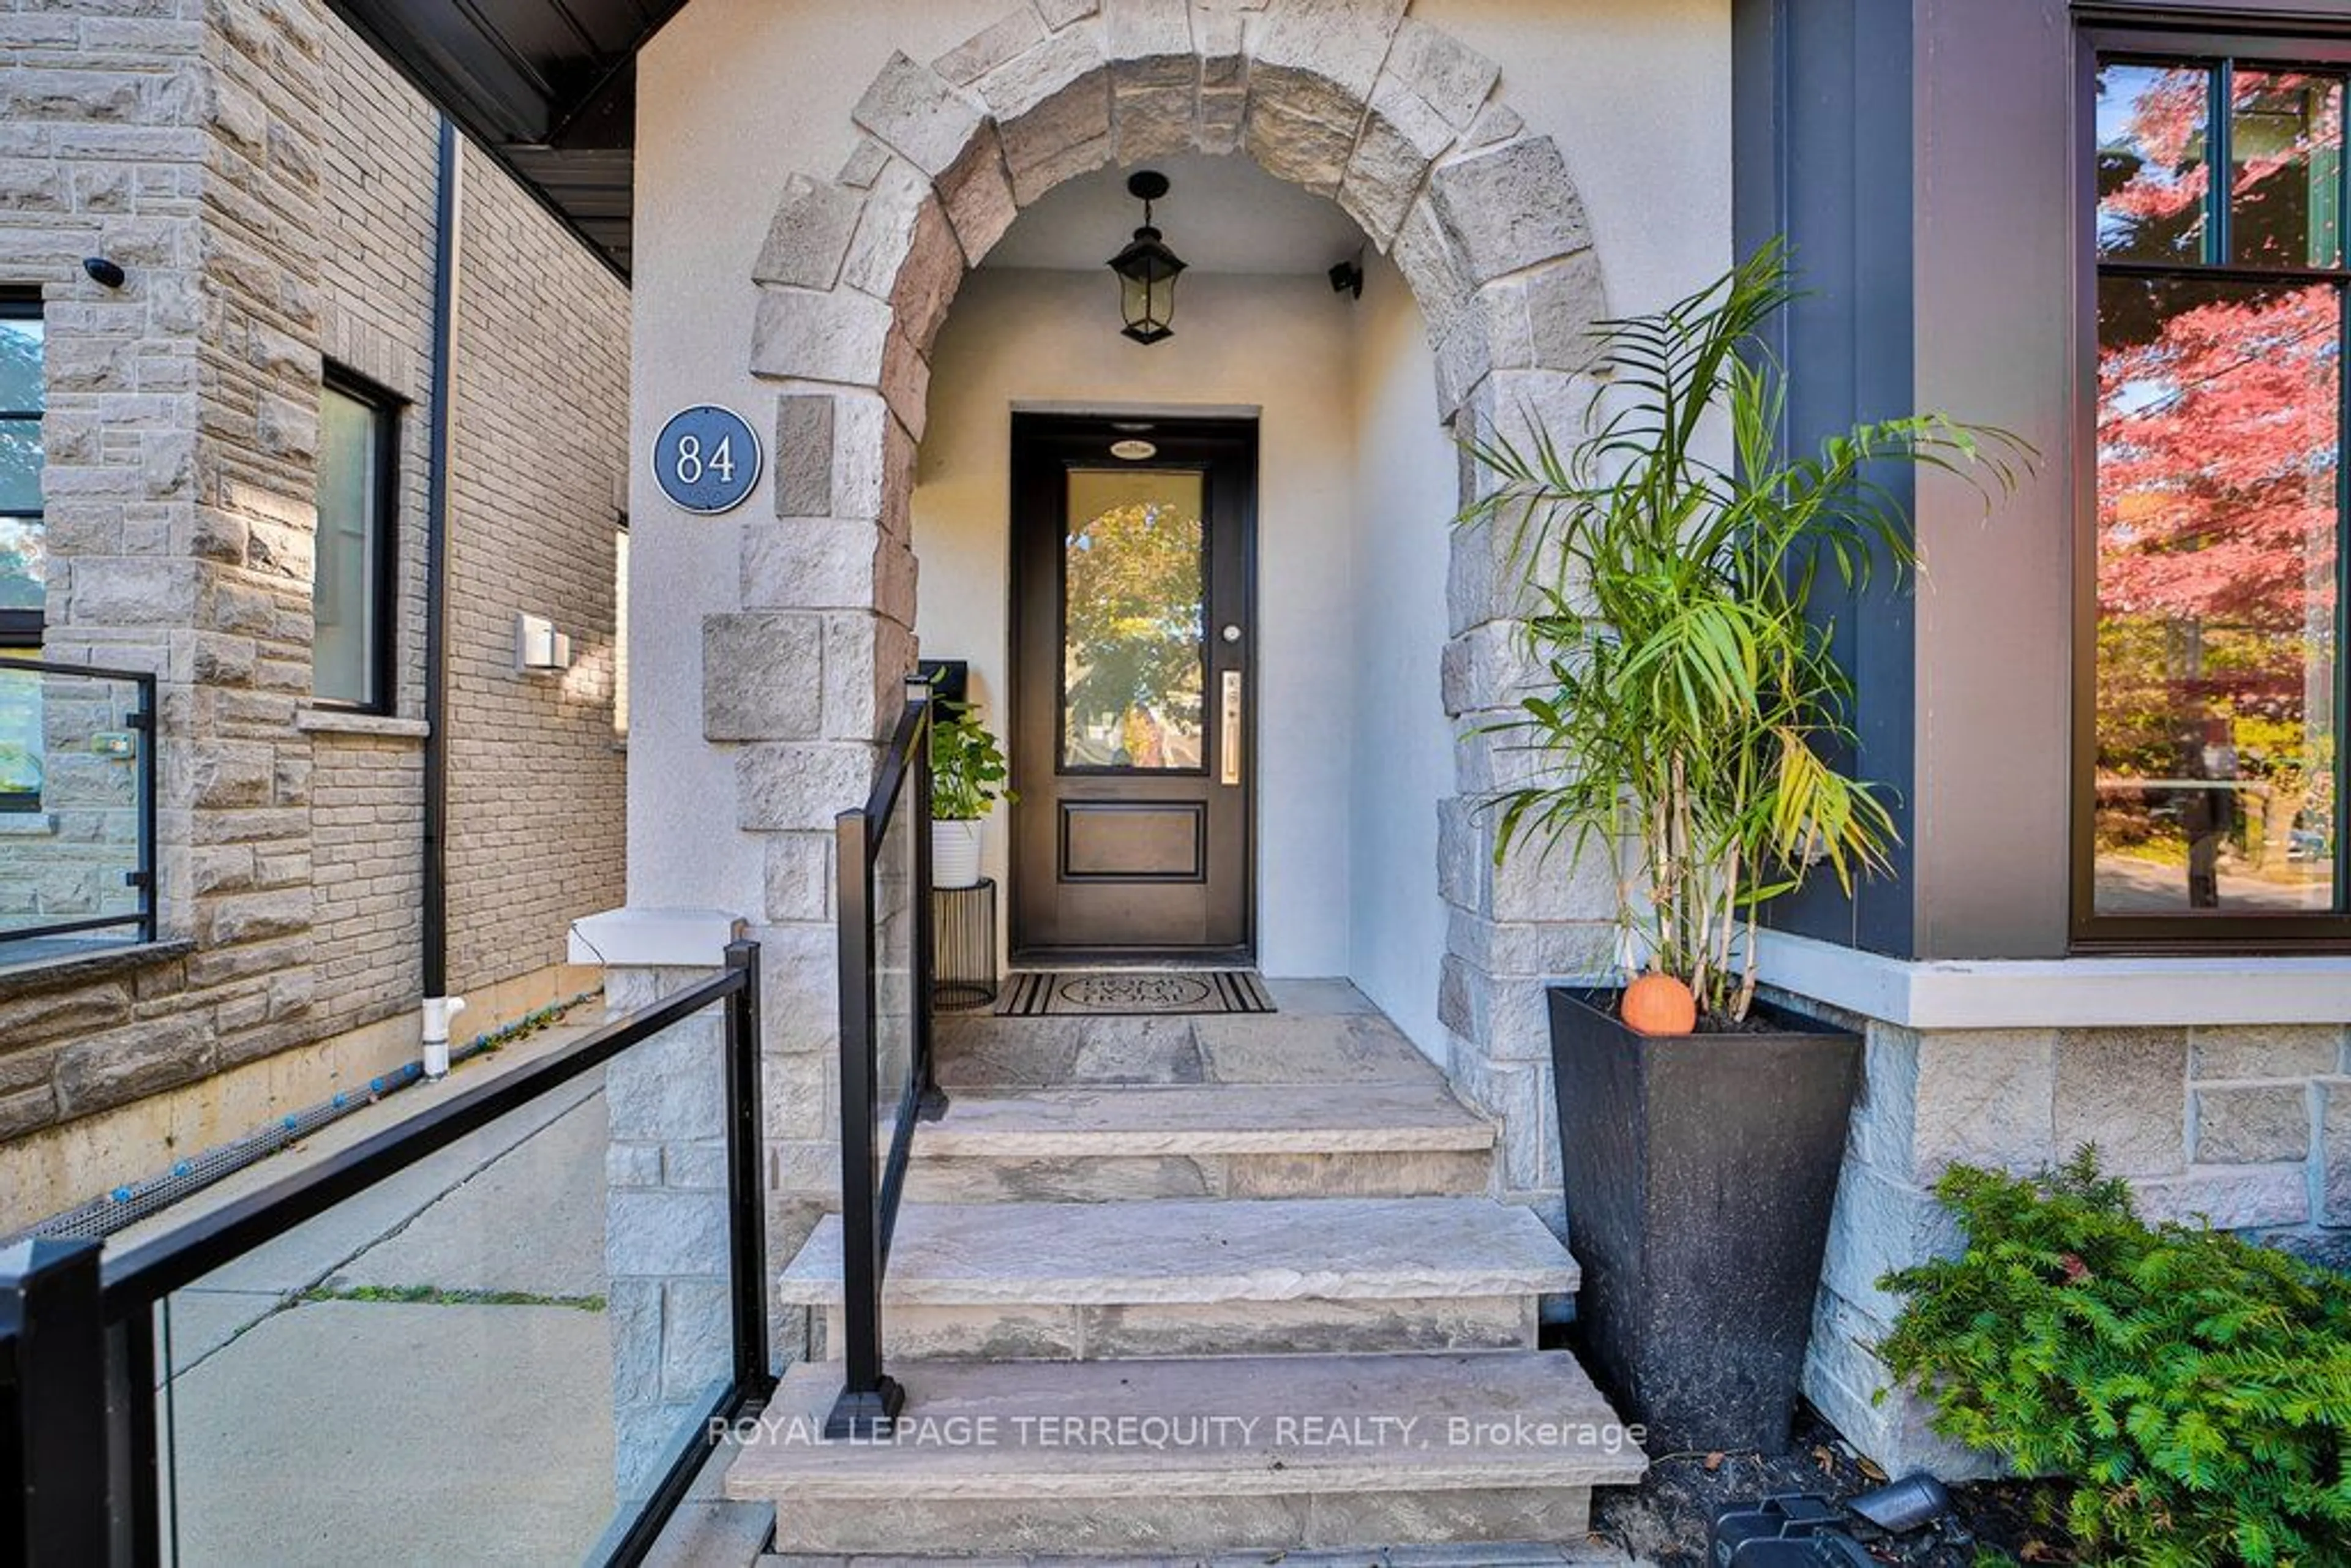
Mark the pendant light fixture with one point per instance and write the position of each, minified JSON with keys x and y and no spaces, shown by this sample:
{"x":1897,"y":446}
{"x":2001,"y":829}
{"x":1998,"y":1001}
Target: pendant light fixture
{"x":1146,"y":269}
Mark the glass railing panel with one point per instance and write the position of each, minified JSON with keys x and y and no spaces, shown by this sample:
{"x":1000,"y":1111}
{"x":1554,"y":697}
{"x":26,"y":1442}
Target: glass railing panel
{"x":73,"y":757}
{"x":492,"y":1356}
{"x":895,"y":929}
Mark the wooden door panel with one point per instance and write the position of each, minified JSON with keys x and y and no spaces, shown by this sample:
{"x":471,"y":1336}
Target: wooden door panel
{"x":1131,"y":617}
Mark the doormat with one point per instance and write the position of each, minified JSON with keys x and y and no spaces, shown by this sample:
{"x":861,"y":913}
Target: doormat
{"x":1057,"y":994}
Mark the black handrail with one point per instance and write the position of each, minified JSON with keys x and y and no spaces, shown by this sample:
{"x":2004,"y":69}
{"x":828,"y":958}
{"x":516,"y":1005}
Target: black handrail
{"x":98,"y":1360}
{"x":870,"y":1398}
{"x":141,"y":720}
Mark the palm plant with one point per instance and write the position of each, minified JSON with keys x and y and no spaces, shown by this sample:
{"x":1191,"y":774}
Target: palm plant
{"x":1689,"y":706}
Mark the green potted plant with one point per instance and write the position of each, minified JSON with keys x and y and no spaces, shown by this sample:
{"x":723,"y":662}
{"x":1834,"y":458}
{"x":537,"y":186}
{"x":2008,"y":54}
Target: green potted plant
{"x":1684,"y":719}
{"x":967,"y":775}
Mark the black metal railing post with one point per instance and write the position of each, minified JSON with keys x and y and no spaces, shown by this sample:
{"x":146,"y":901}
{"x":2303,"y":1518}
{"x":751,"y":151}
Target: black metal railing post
{"x":868,"y":1397}
{"x":53,"y":1407}
{"x":932,"y":1099}
{"x":146,"y":725}
{"x":136,"y":1480}
{"x":745,"y":1191}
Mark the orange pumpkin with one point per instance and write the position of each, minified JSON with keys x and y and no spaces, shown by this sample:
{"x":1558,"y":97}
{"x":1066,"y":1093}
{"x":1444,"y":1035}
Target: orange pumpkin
{"x":1659,"y":1004}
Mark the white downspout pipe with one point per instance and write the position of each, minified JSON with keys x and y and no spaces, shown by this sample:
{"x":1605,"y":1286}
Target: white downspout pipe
{"x":438,"y":1011}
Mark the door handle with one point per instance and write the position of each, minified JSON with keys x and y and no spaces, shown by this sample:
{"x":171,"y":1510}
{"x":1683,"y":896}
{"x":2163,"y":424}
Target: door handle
{"x":1229,"y":740}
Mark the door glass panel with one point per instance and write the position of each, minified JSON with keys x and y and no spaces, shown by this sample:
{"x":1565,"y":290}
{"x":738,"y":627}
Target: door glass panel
{"x":2286,"y":181}
{"x":2152,"y":179}
{"x":2219,"y":455}
{"x":1133,"y":619}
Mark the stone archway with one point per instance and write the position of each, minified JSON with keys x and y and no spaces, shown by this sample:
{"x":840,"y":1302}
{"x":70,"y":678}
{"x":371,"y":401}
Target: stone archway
{"x":1354,"y":99}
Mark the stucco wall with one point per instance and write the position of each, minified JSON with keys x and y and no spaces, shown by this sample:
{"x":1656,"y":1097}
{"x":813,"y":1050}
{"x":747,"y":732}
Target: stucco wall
{"x":1282,"y":345}
{"x":1400,"y":763}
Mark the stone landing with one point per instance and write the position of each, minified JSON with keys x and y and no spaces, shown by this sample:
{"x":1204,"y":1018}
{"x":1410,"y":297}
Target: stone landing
{"x":1171,"y":1288}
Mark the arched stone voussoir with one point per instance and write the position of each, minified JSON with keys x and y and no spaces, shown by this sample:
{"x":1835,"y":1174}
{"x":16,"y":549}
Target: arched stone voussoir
{"x":832,"y":335}
{"x":928,"y":278}
{"x":809,"y":239}
{"x":1154,"y":67}
{"x":1509,"y":206}
{"x":1309,"y":85}
{"x":1401,"y":141}
{"x":1424,"y":102}
{"x":976,"y":193}
{"x":914,"y":111}
{"x":1051,"y":106}
{"x":1008,"y":36}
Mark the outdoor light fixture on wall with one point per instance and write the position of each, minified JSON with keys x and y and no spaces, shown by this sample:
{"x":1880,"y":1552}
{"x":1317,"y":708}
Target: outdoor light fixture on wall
{"x":539,"y":648}
{"x":1146,"y":269}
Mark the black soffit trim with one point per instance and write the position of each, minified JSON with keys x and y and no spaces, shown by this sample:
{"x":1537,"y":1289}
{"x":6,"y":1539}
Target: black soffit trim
{"x":546,"y":87}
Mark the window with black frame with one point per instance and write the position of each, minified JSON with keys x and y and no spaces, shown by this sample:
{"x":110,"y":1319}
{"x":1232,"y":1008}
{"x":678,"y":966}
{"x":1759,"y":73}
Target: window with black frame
{"x":353,"y":580}
{"x":24,"y":573}
{"x":2214,"y":809}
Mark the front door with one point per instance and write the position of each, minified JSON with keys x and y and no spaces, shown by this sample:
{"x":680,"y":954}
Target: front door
{"x":1131,"y":550}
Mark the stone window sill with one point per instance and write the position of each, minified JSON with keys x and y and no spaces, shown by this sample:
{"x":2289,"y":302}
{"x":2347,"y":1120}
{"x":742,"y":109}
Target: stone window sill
{"x":379,"y":726}
{"x":29,"y":824}
{"x":88,"y":960}
{"x":2061,"y":993}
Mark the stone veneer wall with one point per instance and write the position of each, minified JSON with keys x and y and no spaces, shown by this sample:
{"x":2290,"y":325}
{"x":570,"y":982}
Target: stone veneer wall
{"x":665,"y":1228}
{"x":2248,"y":1126}
{"x":268,"y":184}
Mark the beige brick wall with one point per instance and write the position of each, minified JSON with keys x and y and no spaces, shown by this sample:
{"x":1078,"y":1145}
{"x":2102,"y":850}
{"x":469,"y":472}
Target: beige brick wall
{"x":542,"y":443}
{"x":270,"y":186}
{"x":367,"y":803}
{"x":378,"y":159}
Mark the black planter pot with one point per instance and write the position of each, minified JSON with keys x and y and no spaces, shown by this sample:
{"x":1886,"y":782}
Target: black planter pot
{"x":1700,"y":1170}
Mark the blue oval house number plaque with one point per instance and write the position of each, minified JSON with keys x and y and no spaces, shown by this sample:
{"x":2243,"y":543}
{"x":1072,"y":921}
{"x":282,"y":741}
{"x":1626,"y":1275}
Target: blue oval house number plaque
{"x":707,"y":458}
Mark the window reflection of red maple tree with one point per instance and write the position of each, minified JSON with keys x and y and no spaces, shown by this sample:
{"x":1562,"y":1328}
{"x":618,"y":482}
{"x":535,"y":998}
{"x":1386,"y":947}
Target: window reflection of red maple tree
{"x":2220,"y":405}
{"x":2216,"y":516}
{"x":2154,"y":190}
{"x":2217,"y":461}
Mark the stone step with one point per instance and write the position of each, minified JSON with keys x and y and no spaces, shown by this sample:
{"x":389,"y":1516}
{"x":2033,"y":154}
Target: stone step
{"x":1210,"y":1140}
{"x":1209,"y":1456}
{"x":1172,"y":1277}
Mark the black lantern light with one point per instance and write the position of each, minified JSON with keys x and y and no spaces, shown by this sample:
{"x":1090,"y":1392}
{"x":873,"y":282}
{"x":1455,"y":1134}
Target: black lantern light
{"x":1146,"y":269}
